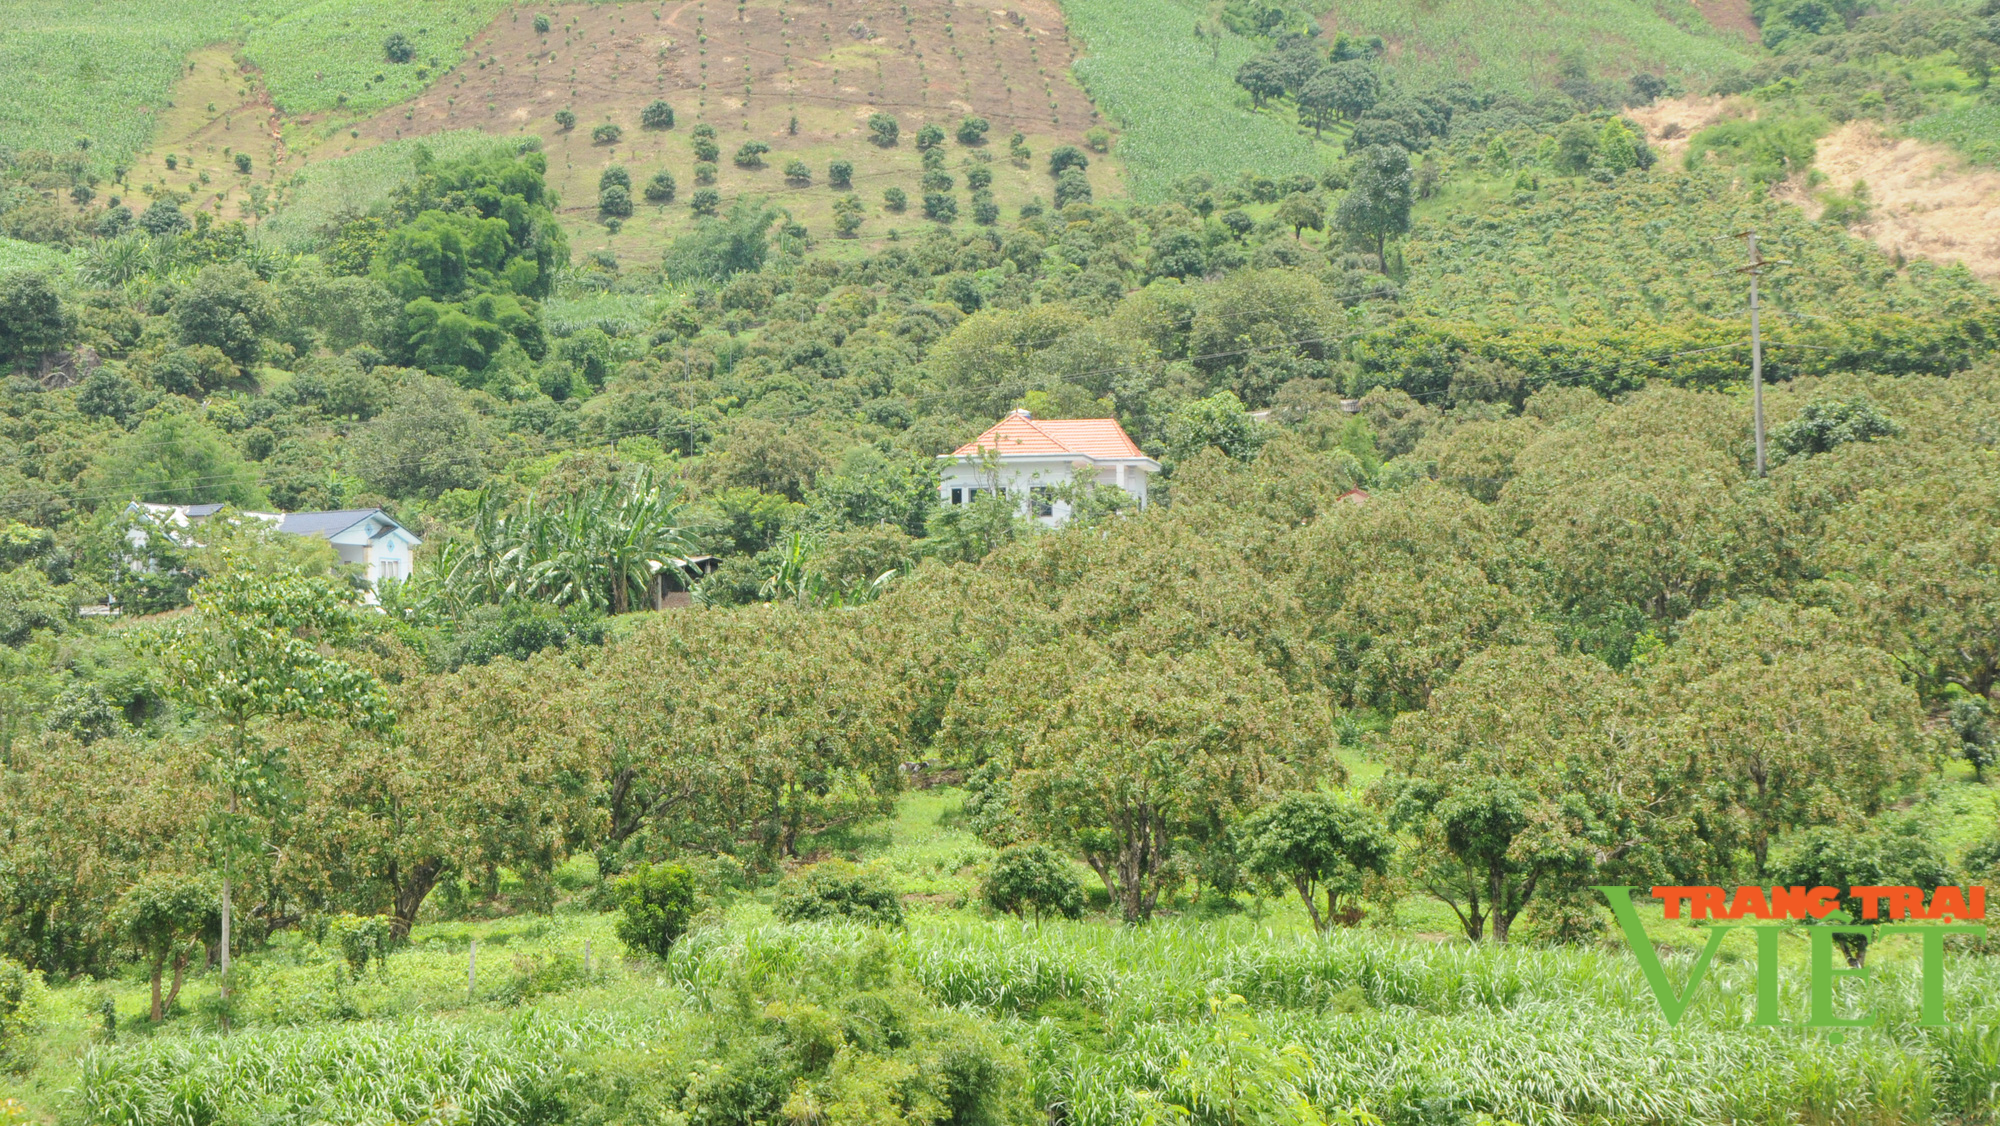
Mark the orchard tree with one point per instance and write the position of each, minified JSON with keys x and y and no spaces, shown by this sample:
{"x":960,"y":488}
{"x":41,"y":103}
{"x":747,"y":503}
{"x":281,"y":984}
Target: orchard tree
{"x":1518,"y":781}
{"x":1789,"y":718}
{"x":1320,"y":844}
{"x":655,"y":903}
{"x":255,"y":650}
{"x":1377,"y":205}
{"x":1263,"y":78}
{"x":1301,"y":212}
{"x":1032,"y":878}
{"x":1143,"y":754}
{"x":1896,"y":853}
{"x":32,"y":318}
{"x":166,"y":917}
{"x":1353,"y":87}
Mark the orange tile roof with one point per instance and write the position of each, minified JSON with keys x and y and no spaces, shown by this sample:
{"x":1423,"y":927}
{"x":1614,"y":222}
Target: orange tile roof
{"x":1022,"y":434}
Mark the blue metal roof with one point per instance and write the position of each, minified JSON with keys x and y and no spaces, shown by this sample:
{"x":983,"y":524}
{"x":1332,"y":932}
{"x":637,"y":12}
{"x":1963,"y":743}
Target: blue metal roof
{"x":329,"y":523}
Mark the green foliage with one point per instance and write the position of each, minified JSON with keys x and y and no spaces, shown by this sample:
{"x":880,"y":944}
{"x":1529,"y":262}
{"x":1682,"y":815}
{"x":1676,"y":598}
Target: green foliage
{"x":1219,"y":422}
{"x":661,"y":187}
{"x":718,"y":249}
{"x":1825,"y":424}
{"x":1032,"y":878}
{"x":836,"y":891}
{"x":607,"y":133}
{"x":750,"y":154}
{"x":32,"y":318}
{"x":657,"y":115}
{"x":930,"y":136}
{"x":22,"y":1001}
{"x":362,"y":939}
{"x":840,"y":174}
{"x":972,"y":131}
{"x":1319,"y":844}
{"x":174,"y":457}
{"x":883,"y":129}
{"x":1764,"y":150}
{"x":1894,"y":854}
{"x":655,"y":903}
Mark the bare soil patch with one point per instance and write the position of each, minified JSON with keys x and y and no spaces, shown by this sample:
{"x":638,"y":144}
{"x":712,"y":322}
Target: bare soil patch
{"x":1730,"y":15}
{"x":1669,"y":122}
{"x":1928,"y":202}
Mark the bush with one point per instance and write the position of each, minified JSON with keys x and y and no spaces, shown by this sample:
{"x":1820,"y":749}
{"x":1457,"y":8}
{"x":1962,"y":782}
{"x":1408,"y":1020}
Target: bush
{"x":704,"y":172}
{"x":1099,"y":139}
{"x":362,"y":938}
{"x":657,"y":115}
{"x":937,"y":182}
{"x":398,"y":48}
{"x":797,"y":174}
{"x":655,"y":902}
{"x":565,"y":120}
{"x":751,"y":155}
{"x":21,"y":1002}
{"x":541,"y":24}
{"x":706,"y":150}
{"x":895,"y":199}
{"x":243,"y":163}
{"x":840,"y":174}
{"x":846,"y":216}
{"x":1065,"y":158}
{"x":978,"y":178}
{"x":1033,"y":878}
{"x":1072,"y":187}
{"x":705,"y":201}
{"x":929,"y":137}
{"x":940,"y":207}
{"x":883,"y":130}
{"x":835,"y":891}
{"x":985,"y":211}
{"x":661,"y":188}
{"x":615,"y":202}
{"x":608,"y":133}
{"x":972,"y":131}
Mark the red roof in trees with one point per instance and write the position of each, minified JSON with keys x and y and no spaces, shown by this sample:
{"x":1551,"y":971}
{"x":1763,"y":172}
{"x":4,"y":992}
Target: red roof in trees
{"x":1022,"y":434}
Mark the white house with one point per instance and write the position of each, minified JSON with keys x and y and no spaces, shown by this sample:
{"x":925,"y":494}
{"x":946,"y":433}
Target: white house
{"x":1029,"y":456}
{"x":369,"y":537}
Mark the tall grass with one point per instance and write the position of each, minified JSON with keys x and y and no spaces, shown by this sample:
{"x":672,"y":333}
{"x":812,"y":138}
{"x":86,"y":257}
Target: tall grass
{"x":1178,"y":105}
{"x":18,"y":255}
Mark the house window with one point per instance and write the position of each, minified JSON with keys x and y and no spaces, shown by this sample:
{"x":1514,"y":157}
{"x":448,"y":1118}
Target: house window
{"x":392,"y":570}
{"x":1043,"y":499}
{"x":958,"y":496}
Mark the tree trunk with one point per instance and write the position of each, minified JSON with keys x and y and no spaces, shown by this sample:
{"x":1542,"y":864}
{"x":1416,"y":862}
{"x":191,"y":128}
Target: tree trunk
{"x":174,"y":993}
{"x":410,"y":894}
{"x":1312,"y":903}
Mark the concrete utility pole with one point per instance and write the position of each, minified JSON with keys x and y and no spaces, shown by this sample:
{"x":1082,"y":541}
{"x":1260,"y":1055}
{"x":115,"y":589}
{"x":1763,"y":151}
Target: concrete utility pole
{"x":1755,"y":269}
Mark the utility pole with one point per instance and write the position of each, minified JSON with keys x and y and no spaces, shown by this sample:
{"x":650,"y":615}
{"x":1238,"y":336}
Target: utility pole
{"x":1755,"y":268}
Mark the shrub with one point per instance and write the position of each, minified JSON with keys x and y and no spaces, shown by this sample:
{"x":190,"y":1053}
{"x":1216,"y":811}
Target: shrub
{"x":937,"y":182}
{"x":661,"y":188}
{"x":840,"y":174}
{"x":1072,"y":187}
{"x":706,"y":149}
{"x":895,"y":199}
{"x":883,"y":130}
{"x":243,"y":162}
{"x":1033,"y":878}
{"x":978,"y":177}
{"x":398,"y":48}
{"x":846,"y":216}
{"x":703,"y":131}
{"x":933,"y":160}
{"x":608,"y":133}
{"x":836,"y":890}
{"x":705,"y":201}
{"x":929,"y":137}
{"x":1827,"y":423}
{"x":1018,"y":150}
{"x":21,"y":1003}
{"x":657,"y":115}
{"x":940,"y":207}
{"x":655,"y":902}
{"x":163,"y":218}
{"x":751,"y":155}
{"x":614,"y":174}
{"x":704,"y":173}
{"x":541,"y":24}
{"x":1065,"y":158}
{"x":797,"y":174}
{"x":972,"y":131}
{"x":362,"y":938}
{"x":1098,"y":138}
{"x":565,"y":120}
{"x":985,"y":211}
{"x":615,"y":201}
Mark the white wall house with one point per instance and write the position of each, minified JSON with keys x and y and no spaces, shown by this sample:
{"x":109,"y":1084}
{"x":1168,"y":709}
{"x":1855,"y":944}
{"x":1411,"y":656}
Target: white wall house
{"x":1029,"y":456}
{"x":368,"y":537}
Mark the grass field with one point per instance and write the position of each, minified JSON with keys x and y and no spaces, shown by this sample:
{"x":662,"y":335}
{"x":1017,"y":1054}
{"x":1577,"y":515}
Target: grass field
{"x":105,"y":69}
{"x":1972,"y":129}
{"x":1516,"y":46}
{"x":324,"y":189}
{"x":1176,"y":97}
